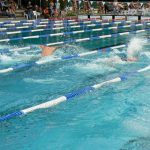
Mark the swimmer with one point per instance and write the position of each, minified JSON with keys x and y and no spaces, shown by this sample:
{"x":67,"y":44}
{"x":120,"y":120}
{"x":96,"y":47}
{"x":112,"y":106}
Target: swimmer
{"x":124,"y":57}
{"x":47,"y":51}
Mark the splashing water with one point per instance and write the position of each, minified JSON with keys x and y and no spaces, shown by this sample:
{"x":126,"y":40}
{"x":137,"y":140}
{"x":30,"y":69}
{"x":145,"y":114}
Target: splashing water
{"x":5,"y":59}
{"x":68,"y":50}
{"x":135,"y":46}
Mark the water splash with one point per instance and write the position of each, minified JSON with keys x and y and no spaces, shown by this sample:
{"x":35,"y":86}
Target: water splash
{"x":5,"y":59}
{"x":68,"y":50}
{"x":40,"y":81}
{"x":11,"y":57}
{"x":135,"y":46}
{"x":99,"y":65}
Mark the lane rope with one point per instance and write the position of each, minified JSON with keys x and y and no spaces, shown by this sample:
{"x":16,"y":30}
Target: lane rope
{"x":57,"y":28}
{"x":41,"y":62}
{"x":3,"y":32}
{"x":73,"y":94}
{"x":68,"y":33}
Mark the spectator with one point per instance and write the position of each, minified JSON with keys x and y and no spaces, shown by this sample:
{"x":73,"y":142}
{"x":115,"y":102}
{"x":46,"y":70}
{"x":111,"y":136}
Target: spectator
{"x":57,"y":10}
{"x":63,"y":5}
{"x":30,"y":10}
{"x":51,"y":8}
{"x":115,"y":7}
{"x":46,"y":13}
{"x":10,"y":12}
{"x":108,"y":7}
{"x":100,"y":7}
{"x":87,"y":6}
{"x":13,"y":5}
{"x":75,"y":6}
{"x":3,"y":5}
{"x":37,"y":10}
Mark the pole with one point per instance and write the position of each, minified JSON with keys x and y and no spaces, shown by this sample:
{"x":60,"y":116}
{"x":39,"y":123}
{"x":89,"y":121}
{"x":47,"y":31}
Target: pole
{"x":40,"y":3}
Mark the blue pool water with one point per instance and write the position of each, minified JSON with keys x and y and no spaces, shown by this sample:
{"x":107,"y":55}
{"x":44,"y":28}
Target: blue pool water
{"x":115,"y":117}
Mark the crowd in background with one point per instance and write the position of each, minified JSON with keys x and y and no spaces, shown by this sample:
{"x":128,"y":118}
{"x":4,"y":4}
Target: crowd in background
{"x":61,"y":7}
{"x":8,"y":8}
{"x":116,"y":7}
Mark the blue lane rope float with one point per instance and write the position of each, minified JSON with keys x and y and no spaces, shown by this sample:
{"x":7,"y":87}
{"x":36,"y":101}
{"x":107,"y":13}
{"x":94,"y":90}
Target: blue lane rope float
{"x":73,"y":94}
{"x":64,"y":27}
{"x":3,"y":32}
{"x":66,"y":33}
{"x":40,"y":62}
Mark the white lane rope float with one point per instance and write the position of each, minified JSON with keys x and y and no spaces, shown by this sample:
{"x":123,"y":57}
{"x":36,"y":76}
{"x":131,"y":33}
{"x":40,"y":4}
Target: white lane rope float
{"x":41,"y":62}
{"x":73,"y":94}
{"x":69,"y":32}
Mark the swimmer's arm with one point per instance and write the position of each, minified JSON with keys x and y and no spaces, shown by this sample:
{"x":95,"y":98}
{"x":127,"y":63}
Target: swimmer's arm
{"x":47,"y":51}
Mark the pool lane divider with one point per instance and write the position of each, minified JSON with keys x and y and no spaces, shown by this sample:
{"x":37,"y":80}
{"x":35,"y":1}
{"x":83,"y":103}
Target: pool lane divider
{"x":64,"y":27}
{"x":48,"y":20}
{"x":97,"y":37}
{"x":28,"y":21}
{"x":74,"y":94}
{"x":46,"y":25}
{"x":56,"y":20}
{"x":78,"y":26}
{"x":38,"y":21}
{"x":41,"y":24}
{"x":68,"y":33}
{"x":58,"y":43}
{"x":44,"y":61}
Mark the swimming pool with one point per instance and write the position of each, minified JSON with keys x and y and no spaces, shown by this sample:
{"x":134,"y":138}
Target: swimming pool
{"x":114,"y":117}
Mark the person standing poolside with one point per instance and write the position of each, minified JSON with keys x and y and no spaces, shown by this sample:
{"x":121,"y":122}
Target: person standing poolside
{"x":30,"y":10}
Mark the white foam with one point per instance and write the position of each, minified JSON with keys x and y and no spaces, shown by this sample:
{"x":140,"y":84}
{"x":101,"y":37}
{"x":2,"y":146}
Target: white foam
{"x":43,"y":81}
{"x":94,"y":67}
{"x":111,"y":60}
{"x":135,"y":46}
{"x":39,"y":81}
{"x":5,"y":59}
{"x":140,"y":126}
{"x":147,"y":54}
